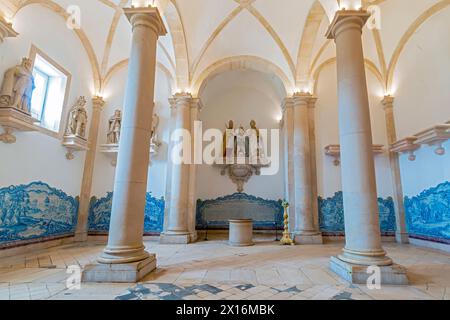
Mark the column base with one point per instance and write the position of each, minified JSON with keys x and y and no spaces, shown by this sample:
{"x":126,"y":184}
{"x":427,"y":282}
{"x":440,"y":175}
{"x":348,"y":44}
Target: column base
{"x":358,"y":274}
{"x":300,"y":238}
{"x":177,"y":238}
{"x":402,"y":237}
{"x":123,"y":273}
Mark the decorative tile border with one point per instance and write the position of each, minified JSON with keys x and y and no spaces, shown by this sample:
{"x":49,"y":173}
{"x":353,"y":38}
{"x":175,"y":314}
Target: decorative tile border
{"x":100,"y":213}
{"x":215,"y":213}
{"x":35,"y":213}
{"x":331,"y":215}
{"x":428,"y":214}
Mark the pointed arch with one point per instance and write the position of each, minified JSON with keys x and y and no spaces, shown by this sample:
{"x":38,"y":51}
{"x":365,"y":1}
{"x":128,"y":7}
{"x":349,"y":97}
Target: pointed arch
{"x":309,"y":36}
{"x":79,"y":33}
{"x":370,"y":65}
{"x":177,"y":32}
{"x":242,"y":63}
{"x":408,"y":35}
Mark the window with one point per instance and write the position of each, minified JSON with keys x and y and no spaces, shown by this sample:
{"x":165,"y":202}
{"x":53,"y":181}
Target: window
{"x":49,"y":93}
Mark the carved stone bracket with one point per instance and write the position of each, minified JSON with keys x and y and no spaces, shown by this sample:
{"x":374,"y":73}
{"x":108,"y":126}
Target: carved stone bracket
{"x":74,"y":143}
{"x":112,"y":150}
{"x":240,"y":173}
{"x":13,"y":119}
{"x":334,"y":150}
{"x":407,"y":145}
{"x":435,"y":136}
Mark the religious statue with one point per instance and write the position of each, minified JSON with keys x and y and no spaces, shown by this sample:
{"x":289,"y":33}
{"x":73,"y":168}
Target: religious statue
{"x":114,"y":128}
{"x":76,"y":125}
{"x":241,"y":142}
{"x":253,"y":138}
{"x":229,"y":143}
{"x":154,"y":134}
{"x":18,"y":86}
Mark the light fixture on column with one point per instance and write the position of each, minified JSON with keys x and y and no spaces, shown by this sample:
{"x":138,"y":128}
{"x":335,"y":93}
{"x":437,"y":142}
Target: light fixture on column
{"x":160,"y":4}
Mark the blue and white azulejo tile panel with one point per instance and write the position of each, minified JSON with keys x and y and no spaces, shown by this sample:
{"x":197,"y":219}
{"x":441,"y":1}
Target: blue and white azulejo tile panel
{"x":34,"y":213}
{"x":215,"y":213}
{"x":428,"y":214}
{"x":100,"y":214}
{"x":331,"y":214}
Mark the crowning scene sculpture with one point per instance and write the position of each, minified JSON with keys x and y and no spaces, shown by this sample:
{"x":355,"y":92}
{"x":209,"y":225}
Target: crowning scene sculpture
{"x":243,"y":154}
{"x":75,"y":135}
{"x":15,"y":100}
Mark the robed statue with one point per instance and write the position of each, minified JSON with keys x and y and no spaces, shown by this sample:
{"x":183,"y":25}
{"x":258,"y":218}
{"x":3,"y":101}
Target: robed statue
{"x":17,"y":87}
{"x":76,"y":125}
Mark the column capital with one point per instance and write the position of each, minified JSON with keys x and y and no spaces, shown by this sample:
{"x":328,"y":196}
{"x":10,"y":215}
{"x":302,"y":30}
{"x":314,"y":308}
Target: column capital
{"x":302,"y":98}
{"x":312,"y":102}
{"x":185,"y":99}
{"x":98,"y":102}
{"x":6,"y":30}
{"x":287,"y":102}
{"x":197,"y":104}
{"x":347,"y":19}
{"x":388,"y":102}
{"x":146,"y":16}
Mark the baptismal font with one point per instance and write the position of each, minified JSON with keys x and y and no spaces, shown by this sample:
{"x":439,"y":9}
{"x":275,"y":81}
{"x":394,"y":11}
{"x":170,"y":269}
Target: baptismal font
{"x":15,"y":100}
{"x":243,"y":154}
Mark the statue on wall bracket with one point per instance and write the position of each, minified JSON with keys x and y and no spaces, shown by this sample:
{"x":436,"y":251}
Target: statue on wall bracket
{"x":15,"y":100}
{"x":75,"y":135}
{"x":111,"y":147}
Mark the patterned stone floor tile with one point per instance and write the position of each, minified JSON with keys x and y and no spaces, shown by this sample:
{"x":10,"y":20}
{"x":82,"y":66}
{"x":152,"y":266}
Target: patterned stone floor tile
{"x":214,"y":270}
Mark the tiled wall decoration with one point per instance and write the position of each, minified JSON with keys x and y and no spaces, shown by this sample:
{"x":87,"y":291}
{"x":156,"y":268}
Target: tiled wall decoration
{"x":428,"y":214}
{"x":331,"y":214}
{"x":100,"y":213}
{"x":215,"y":213}
{"x":34,"y":213}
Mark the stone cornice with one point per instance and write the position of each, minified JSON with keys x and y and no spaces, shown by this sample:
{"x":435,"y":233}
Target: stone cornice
{"x":6,"y":30}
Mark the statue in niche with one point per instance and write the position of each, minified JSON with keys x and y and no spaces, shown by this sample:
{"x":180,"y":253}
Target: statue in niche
{"x":17,"y":87}
{"x":229,"y":140}
{"x":115,"y":123}
{"x":76,"y":126}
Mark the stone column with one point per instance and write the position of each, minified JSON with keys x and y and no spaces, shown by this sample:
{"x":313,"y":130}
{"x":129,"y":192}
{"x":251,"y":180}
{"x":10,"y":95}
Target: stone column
{"x":305,"y":231}
{"x":312,"y":144}
{"x":81,"y":232}
{"x":177,"y":229}
{"x":125,"y":259}
{"x":196,"y":107}
{"x":401,"y":234}
{"x":362,"y":229}
{"x":288,"y":128}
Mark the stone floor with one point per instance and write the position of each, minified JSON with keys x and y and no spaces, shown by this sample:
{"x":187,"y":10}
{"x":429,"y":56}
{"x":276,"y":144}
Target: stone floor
{"x":213,"y":270}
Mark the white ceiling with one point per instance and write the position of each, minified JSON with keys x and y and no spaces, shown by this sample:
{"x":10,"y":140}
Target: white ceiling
{"x":203,"y":32}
